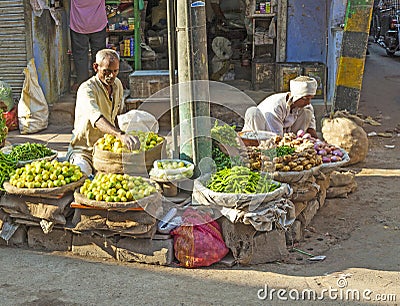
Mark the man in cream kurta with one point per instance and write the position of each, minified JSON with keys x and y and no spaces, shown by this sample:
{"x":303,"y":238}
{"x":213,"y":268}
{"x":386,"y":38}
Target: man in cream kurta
{"x":98,"y":102}
{"x":92,"y":102}
{"x":285,"y":112}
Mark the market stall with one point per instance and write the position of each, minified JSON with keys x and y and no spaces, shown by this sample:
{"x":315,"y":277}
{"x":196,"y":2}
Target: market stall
{"x":263,"y":192}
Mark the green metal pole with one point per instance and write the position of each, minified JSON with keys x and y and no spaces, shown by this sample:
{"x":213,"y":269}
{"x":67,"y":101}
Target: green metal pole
{"x":171,"y":6}
{"x":138,"y":51}
{"x":200,"y":88}
{"x":194,"y":97}
{"x":184,"y":78}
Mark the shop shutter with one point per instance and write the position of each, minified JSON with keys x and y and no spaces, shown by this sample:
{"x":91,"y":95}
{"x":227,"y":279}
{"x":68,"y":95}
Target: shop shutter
{"x":13,"y":43}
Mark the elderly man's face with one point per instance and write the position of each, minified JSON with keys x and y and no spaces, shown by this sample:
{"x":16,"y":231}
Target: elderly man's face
{"x":302,"y":102}
{"x":107,"y":70}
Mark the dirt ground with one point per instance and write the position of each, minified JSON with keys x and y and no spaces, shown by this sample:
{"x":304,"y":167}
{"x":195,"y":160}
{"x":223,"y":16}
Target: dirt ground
{"x":360,"y":237}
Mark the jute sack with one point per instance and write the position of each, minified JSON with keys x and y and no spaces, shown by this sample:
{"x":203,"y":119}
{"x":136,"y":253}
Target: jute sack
{"x":126,"y":163}
{"x":348,"y":135}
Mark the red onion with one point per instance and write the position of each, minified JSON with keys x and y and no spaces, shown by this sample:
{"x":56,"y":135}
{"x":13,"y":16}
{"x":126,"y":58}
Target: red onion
{"x":335,"y":158}
{"x":306,"y":136}
{"x":322,"y":152}
{"x":337,"y":152}
{"x":300,"y":133}
{"x":326,"y":159}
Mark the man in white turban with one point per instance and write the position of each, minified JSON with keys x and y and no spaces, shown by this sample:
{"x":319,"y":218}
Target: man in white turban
{"x":285,"y":112}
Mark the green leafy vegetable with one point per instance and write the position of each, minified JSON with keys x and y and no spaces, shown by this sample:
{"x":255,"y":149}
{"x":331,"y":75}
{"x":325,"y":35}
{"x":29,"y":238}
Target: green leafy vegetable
{"x":224,"y":134}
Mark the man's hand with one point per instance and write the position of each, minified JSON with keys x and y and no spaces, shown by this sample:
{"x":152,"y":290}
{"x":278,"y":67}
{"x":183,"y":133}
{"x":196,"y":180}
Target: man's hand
{"x":312,"y":132}
{"x":131,"y":142}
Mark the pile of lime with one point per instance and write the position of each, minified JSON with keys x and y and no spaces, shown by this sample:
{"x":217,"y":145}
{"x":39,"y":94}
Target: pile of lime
{"x":45,"y":174}
{"x":172,"y":164}
{"x":116,"y":188}
{"x":171,"y":169}
{"x":148,"y":140}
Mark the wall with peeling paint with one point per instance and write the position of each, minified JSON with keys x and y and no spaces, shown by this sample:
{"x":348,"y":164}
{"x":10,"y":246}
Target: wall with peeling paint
{"x":314,"y":34}
{"x":307,"y":31}
{"x":50,"y":45}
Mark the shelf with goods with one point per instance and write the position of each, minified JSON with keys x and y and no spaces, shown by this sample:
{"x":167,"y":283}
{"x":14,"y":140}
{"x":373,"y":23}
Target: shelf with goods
{"x":124,"y":30}
{"x":264,"y":42}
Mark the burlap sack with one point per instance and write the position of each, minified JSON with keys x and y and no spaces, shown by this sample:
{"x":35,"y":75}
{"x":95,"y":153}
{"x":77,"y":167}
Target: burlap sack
{"x":126,"y":163}
{"x":341,"y":184}
{"x":341,"y":178}
{"x":341,"y":191}
{"x":348,"y":135}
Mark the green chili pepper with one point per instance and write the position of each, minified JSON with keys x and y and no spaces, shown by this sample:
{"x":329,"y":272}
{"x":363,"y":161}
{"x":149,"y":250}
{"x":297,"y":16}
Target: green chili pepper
{"x":30,"y":151}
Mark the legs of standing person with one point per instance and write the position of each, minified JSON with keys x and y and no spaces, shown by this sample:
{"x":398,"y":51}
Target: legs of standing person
{"x":80,"y":51}
{"x":97,"y":42}
{"x":254,"y":120}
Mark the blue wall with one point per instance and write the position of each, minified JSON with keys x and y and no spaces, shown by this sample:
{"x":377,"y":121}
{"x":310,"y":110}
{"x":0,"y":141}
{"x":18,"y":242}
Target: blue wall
{"x":307,"y":31}
{"x":337,"y":16}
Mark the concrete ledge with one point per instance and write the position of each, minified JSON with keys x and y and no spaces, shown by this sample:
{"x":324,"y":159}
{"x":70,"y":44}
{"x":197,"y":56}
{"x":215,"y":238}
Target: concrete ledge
{"x":159,"y":252}
{"x":93,"y":246}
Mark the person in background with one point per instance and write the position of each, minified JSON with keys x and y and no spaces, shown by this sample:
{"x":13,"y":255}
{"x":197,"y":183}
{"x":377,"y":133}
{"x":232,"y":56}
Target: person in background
{"x":98,"y":101}
{"x":88,"y":22}
{"x":214,"y":12}
{"x":285,"y":112}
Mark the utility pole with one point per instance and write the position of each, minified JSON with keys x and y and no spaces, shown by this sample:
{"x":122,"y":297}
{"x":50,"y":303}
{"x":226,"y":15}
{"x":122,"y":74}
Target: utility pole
{"x":194,"y":97}
{"x":171,"y":21}
{"x":352,"y":55}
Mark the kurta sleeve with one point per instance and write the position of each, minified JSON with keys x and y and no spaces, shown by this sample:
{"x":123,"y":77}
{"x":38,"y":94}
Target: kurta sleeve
{"x":87,"y":103}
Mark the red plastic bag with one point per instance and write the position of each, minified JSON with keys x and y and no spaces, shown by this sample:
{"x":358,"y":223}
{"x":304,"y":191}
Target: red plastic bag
{"x":199,"y":242}
{"x":12,"y":119}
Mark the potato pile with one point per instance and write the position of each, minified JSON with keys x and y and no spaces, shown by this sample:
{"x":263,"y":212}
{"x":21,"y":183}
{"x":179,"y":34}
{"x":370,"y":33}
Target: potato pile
{"x":297,"y":161}
{"x":285,"y":153}
{"x":303,"y":141}
{"x":258,"y":160}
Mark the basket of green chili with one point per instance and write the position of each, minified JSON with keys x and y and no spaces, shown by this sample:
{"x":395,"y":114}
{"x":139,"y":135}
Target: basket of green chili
{"x":28,"y":152}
